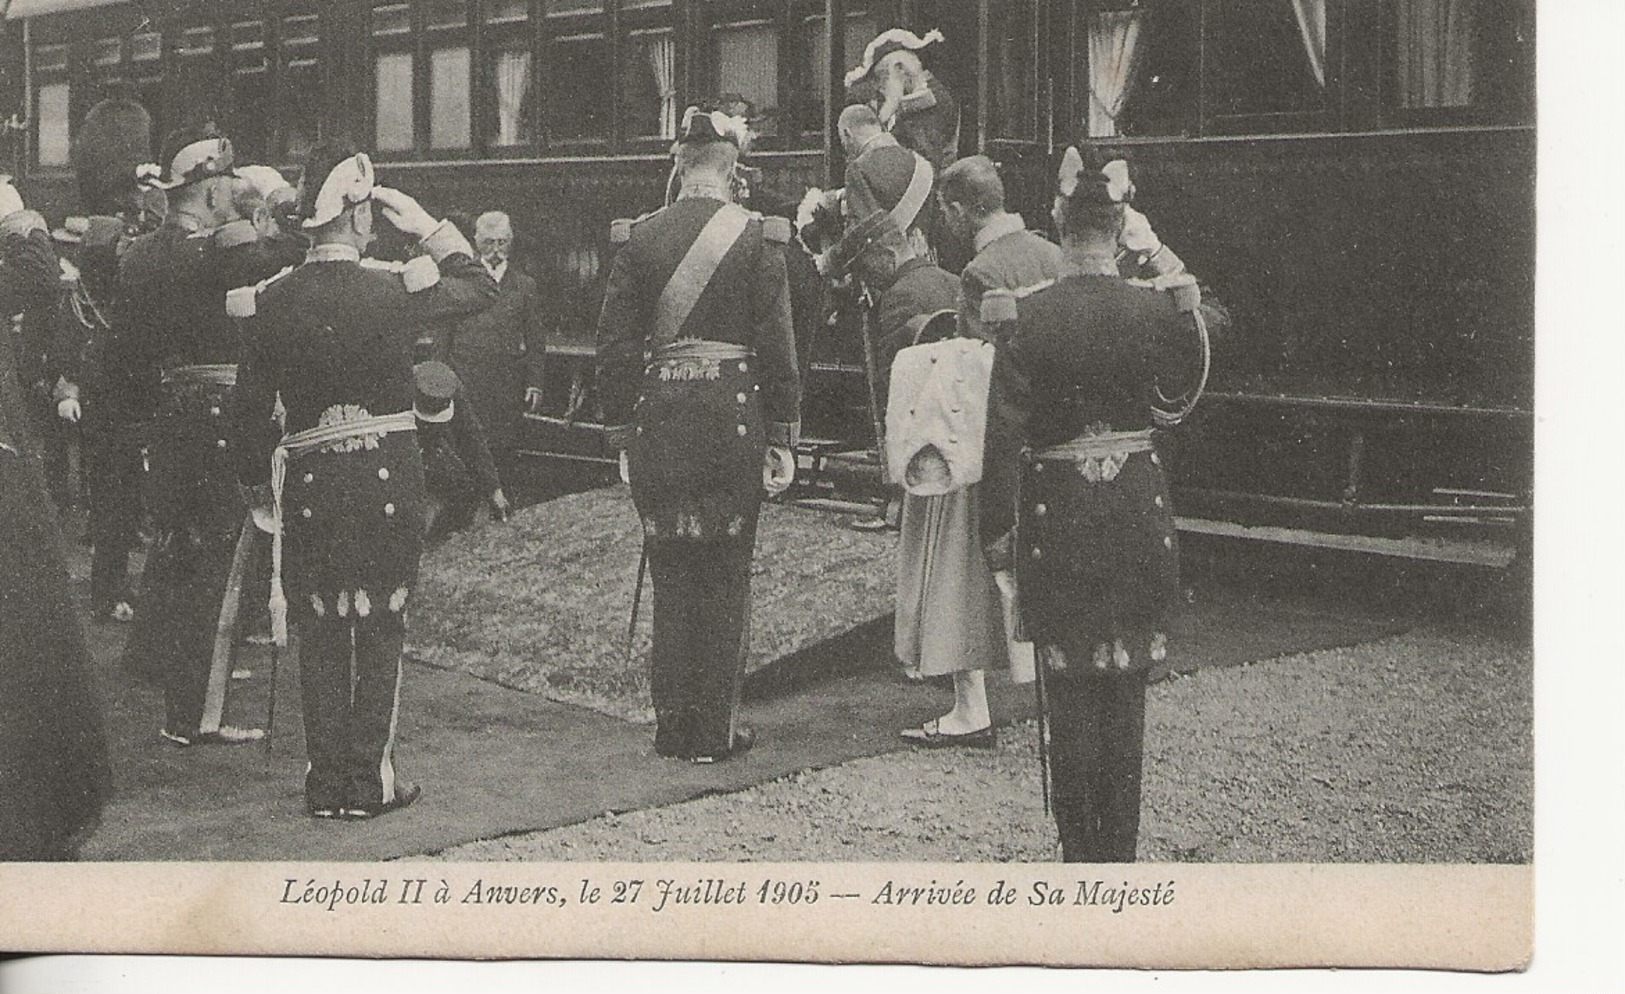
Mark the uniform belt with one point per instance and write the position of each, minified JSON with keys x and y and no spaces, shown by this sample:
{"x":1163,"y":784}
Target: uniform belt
{"x":1096,"y":446}
{"x":303,"y":443}
{"x":699,"y":348}
{"x":220,"y":374}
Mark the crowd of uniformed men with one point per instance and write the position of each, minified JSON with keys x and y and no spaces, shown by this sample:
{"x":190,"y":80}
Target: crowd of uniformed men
{"x":243,"y":353}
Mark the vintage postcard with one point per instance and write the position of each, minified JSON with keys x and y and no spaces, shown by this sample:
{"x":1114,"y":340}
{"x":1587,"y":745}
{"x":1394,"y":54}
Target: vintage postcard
{"x":1006,"y":482}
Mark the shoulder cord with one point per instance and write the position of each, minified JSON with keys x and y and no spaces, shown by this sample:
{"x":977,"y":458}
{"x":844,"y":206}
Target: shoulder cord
{"x":1166,"y":418}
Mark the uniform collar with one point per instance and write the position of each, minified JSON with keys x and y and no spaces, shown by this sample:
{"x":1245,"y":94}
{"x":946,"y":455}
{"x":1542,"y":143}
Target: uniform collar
{"x":333,"y":252}
{"x":997,"y":228}
{"x":883,"y":139}
{"x":497,"y":271}
{"x":705,"y":191}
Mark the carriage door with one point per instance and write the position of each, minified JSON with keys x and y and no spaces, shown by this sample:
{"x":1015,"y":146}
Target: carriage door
{"x":1015,"y":100}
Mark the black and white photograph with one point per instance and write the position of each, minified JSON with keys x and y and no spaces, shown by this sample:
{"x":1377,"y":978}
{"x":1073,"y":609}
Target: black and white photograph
{"x":760,"y":439}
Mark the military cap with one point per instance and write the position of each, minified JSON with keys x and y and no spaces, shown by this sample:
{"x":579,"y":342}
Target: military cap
{"x":436,"y":384}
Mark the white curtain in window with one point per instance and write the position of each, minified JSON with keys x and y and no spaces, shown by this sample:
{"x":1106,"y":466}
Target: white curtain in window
{"x":512,"y":78}
{"x":1312,"y":25}
{"x":1435,"y":53}
{"x":1114,"y":48}
{"x":663,"y":63}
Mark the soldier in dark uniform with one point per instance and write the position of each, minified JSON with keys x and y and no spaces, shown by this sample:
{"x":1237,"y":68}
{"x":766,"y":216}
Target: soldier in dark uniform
{"x":458,"y":471}
{"x":697,"y":370}
{"x":54,"y":774}
{"x":113,"y":140}
{"x":178,"y":346}
{"x":1069,"y":456}
{"x":334,"y":338}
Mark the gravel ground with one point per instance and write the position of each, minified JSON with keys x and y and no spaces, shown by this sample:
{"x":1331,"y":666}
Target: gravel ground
{"x":1415,"y":748}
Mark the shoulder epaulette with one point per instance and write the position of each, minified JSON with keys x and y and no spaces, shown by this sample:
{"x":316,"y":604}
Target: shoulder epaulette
{"x":998,"y":306}
{"x":243,"y":302}
{"x":418,"y":273}
{"x":776,"y":230}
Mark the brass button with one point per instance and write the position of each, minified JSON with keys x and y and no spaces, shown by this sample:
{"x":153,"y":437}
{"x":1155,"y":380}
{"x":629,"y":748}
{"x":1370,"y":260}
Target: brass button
{"x":742,"y":431}
{"x":305,"y":513}
{"x":1167,"y":541}
{"x":383,"y":472}
{"x":1038,"y":553}
{"x":1040,"y":510}
{"x":214,"y":411}
{"x":1154,"y":460}
{"x":309,"y":477}
{"x":741,"y":398}
{"x":953,"y":439}
{"x":1158,"y":500}
{"x":220,"y":443}
{"x":744,"y":367}
{"x":389,"y":510}
{"x":1038,"y":467}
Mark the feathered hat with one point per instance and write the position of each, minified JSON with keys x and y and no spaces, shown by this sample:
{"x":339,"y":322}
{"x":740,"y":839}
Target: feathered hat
{"x":190,"y":155}
{"x":887,"y":42}
{"x":335,"y":179}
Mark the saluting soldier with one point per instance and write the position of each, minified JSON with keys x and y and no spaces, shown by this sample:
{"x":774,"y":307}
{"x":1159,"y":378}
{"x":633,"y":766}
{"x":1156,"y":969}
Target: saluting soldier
{"x":334,"y":338}
{"x":697,"y":370}
{"x":178,"y":349}
{"x":1069,"y":456}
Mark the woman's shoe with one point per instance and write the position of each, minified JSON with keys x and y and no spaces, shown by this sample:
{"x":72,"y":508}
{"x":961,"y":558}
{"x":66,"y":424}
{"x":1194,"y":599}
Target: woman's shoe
{"x":930,"y":737}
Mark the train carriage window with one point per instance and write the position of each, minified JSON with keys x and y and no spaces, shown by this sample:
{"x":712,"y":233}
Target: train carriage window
{"x":508,"y":96}
{"x":198,"y":41}
{"x":51,"y":58}
{"x":648,"y":90}
{"x":252,"y":115}
{"x":146,"y":46}
{"x":450,"y":117}
{"x":557,"y":7}
{"x":1012,"y":55}
{"x":105,"y":52}
{"x":299,"y":85}
{"x":506,"y":11}
{"x":576,"y":110}
{"x":745,"y":59}
{"x":391,"y":19}
{"x":448,"y":14}
{"x":1140,"y":67}
{"x":1269,"y":58}
{"x":1459,"y":60}
{"x":54,"y":127}
{"x":393,"y":130}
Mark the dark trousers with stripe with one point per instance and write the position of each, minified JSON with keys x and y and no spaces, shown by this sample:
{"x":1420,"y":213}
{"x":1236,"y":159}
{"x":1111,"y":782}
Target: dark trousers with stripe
{"x":1096,"y":727}
{"x":701,"y":611}
{"x":350,"y":679}
{"x":184,"y":631}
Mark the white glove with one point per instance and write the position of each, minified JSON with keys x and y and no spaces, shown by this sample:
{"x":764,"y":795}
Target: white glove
{"x":626,"y":469}
{"x":1137,"y":234}
{"x":68,"y":409}
{"x":404,"y":212}
{"x":778,"y":469}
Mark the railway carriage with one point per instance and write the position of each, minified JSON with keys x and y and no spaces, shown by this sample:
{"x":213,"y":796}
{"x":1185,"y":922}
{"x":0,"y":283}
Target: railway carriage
{"x":1353,"y":178}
